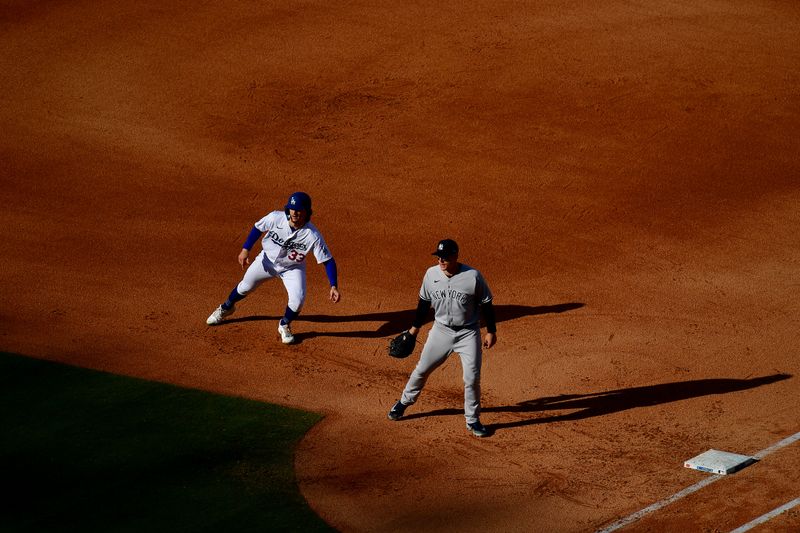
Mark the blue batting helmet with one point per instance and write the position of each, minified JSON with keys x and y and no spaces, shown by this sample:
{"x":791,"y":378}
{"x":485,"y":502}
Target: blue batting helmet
{"x":297,"y":202}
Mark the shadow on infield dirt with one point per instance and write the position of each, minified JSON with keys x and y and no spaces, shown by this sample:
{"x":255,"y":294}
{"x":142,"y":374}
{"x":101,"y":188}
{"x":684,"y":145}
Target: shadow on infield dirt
{"x":607,"y":402}
{"x":396,"y":321}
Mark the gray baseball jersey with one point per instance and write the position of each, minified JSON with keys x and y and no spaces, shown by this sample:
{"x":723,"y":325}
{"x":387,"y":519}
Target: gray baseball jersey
{"x":455,"y":300}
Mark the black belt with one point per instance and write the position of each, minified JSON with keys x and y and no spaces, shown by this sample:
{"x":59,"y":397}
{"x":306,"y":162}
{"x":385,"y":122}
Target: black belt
{"x":458,"y":328}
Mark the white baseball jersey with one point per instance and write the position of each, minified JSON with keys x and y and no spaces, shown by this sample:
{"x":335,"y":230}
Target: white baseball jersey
{"x":286,"y":248}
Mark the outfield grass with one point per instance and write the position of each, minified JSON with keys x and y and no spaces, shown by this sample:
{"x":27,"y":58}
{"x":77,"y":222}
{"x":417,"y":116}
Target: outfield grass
{"x":82,"y":450}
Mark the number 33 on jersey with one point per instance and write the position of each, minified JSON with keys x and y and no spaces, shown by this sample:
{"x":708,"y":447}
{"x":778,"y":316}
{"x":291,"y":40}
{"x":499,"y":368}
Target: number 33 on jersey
{"x":287,"y":248}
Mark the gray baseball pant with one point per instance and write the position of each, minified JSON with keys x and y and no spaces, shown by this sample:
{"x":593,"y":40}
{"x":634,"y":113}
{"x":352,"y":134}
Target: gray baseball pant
{"x":441,"y":342}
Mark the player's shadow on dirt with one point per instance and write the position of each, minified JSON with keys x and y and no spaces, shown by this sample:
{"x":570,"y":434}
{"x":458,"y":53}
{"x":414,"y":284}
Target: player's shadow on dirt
{"x":396,"y":321}
{"x":582,"y":406}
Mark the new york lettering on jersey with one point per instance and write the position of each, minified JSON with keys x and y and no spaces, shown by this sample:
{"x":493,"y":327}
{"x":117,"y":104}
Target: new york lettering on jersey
{"x":455,"y":299}
{"x":451,"y":294}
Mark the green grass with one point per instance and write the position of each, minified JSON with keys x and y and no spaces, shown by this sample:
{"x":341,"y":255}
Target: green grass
{"x":82,"y":450}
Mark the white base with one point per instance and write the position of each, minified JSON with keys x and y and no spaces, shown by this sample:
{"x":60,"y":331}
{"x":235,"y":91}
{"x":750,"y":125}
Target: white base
{"x":717,"y":462}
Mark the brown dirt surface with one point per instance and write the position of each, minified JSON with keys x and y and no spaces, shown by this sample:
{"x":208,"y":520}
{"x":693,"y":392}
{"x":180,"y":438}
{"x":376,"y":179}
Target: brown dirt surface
{"x":625,"y":175}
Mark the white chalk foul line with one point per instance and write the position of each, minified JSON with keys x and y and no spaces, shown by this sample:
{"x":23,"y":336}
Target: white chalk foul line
{"x":622,"y":522}
{"x":782,"y":444}
{"x":768,"y":516}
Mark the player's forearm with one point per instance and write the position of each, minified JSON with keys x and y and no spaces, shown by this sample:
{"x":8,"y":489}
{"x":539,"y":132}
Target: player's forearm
{"x":487,"y":310}
{"x":421,"y":314}
{"x":331,"y":272}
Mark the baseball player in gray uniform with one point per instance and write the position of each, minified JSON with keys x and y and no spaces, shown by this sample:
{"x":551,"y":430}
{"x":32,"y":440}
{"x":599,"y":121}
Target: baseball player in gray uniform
{"x":458,"y":294}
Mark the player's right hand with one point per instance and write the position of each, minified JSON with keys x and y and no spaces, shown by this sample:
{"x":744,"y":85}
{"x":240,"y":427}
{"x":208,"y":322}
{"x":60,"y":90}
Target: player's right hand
{"x":244,"y":257}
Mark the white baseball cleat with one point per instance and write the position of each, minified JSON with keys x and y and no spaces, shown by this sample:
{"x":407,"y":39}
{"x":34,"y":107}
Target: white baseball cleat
{"x":219,"y":315}
{"x":286,"y":333}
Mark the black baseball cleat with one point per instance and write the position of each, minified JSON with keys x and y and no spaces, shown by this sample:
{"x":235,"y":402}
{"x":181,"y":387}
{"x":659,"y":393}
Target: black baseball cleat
{"x":397,"y":410}
{"x":478,"y":429}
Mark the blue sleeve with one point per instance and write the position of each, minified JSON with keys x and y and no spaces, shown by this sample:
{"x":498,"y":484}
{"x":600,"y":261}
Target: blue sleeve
{"x":330,"y":270}
{"x":255,"y":234}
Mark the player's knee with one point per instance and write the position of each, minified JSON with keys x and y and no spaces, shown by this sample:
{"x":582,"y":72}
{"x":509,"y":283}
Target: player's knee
{"x":472,"y":381}
{"x":421,"y":374}
{"x":295,"y":304}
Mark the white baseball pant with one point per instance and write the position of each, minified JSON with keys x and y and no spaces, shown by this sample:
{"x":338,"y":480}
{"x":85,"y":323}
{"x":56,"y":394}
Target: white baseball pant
{"x":262,"y":269}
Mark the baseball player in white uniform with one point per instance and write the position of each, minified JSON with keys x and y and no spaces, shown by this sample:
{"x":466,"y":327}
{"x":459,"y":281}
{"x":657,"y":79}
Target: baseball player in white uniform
{"x":458,"y":294}
{"x":288,"y":238}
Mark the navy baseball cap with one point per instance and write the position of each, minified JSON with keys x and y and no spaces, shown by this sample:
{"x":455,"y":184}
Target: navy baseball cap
{"x":446,"y":248}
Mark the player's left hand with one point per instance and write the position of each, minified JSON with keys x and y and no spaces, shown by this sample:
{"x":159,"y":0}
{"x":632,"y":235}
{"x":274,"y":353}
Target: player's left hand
{"x":489,"y":340}
{"x":335,"y":296}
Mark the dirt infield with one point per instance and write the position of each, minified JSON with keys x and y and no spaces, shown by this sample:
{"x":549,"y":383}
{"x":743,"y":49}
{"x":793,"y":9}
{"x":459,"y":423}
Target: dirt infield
{"x":625,"y":174}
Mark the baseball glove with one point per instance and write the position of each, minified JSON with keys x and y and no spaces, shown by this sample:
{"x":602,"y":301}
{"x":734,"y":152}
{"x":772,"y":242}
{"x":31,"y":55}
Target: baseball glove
{"x":402,"y":345}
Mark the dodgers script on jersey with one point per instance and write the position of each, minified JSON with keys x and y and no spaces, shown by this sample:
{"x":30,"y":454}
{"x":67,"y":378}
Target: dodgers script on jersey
{"x":286,"y":248}
{"x":455,"y":300}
